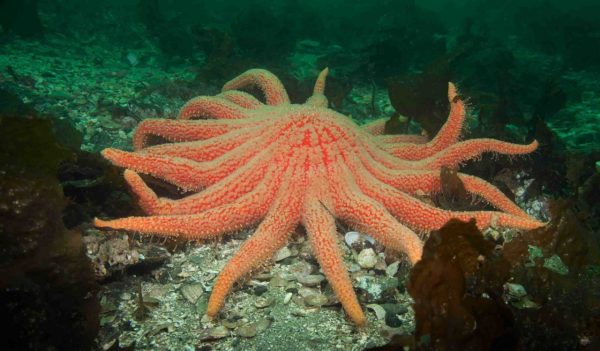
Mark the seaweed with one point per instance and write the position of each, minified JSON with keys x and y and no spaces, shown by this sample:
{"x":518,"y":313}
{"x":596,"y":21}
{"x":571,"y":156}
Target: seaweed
{"x":456,"y":289}
{"x":569,"y":303}
{"x":423,"y":96}
{"x":45,"y":277}
{"x":460,"y":285}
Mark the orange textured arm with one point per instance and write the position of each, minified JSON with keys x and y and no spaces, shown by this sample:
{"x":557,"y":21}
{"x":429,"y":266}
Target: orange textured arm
{"x":266,"y":81}
{"x":321,"y":230}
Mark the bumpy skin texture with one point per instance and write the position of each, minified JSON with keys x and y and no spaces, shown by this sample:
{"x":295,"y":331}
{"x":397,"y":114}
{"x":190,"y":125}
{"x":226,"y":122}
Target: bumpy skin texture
{"x":279,"y":165}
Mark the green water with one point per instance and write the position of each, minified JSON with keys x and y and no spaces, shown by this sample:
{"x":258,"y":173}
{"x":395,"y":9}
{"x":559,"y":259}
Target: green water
{"x":77,"y":77}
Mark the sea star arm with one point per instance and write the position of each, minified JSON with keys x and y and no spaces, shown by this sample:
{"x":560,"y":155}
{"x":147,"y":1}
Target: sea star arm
{"x":252,"y":177}
{"x":421,"y":216}
{"x":352,"y":206}
{"x":184,"y":173}
{"x":375,"y":127}
{"x":211,"y":107}
{"x":241,"y":98}
{"x":402,"y":138}
{"x":447,"y":135}
{"x":466,"y":150}
{"x":205,"y":225}
{"x":320,"y":226}
{"x":206,"y":150}
{"x":429,"y":182}
{"x":271,"y":234}
{"x":318,"y":97}
{"x":266,"y":81}
{"x":182,"y":130}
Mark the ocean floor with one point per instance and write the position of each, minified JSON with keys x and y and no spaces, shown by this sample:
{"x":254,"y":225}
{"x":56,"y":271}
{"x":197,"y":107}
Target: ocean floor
{"x":154,"y":295}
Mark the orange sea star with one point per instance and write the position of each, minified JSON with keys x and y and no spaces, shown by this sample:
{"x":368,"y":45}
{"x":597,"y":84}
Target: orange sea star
{"x":281,"y":164}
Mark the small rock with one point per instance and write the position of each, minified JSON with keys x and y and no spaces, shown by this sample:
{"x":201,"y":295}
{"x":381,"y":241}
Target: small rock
{"x":315,"y":300}
{"x":525,"y":303}
{"x":515,"y":291}
{"x":367,"y":258}
{"x":377,"y":288}
{"x":263,"y":277}
{"x":247,"y":331}
{"x":287,"y":298}
{"x":310,"y":280}
{"x":192,"y":292}
{"x":299,"y":313}
{"x":354,"y":268}
{"x":260,"y":289}
{"x":202,"y":305}
{"x":392,"y":269}
{"x":394,"y":308}
{"x":380,"y":265}
{"x":234,"y":322}
{"x":392,"y":320}
{"x":370,"y":239}
{"x":302,"y":268}
{"x":351,"y":237}
{"x":125,"y":296}
{"x":282,"y":254}
{"x":379,"y":311}
{"x":263,"y":302}
{"x":556,"y":265}
{"x":304,"y":291}
{"x":278,"y":281}
{"x":218,"y":332}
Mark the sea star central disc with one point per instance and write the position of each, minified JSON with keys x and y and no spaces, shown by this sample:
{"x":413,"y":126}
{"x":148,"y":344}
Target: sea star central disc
{"x":280,"y":165}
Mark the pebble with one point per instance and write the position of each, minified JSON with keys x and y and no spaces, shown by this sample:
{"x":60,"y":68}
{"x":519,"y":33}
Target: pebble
{"x":157,"y":291}
{"x":192,"y":292}
{"x":376,"y":287}
{"x":354,"y":268}
{"x":125,"y":296}
{"x":299,"y":313}
{"x":351,"y":237}
{"x":278,"y":282}
{"x":317,"y":300}
{"x":282,"y":254}
{"x":304,"y":291}
{"x":260,"y":289}
{"x":515,"y":291}
{"x":392,"y":269}
{"x":380,"y":265}
{"x":310,"y":280}
{"x":219,"y":332}
{"x":367,"y":258}
{"x":392,"y":320}
{"x":263,"y":302}
{"x":379,"y":311}
{"x":233,"y":323}
{"x":287,"y":298}
{"x":395,"y":308}
{"x":264,"y":277}
{"x":302,"y":268}
{"x":247,"y":331}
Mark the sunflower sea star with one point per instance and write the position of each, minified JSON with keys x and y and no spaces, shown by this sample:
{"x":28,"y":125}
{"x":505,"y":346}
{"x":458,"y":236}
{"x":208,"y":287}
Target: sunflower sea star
{"x":278,"y":165}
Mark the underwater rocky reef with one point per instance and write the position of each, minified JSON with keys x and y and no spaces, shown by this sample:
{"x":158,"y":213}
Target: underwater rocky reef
{"x":300,"y":175}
